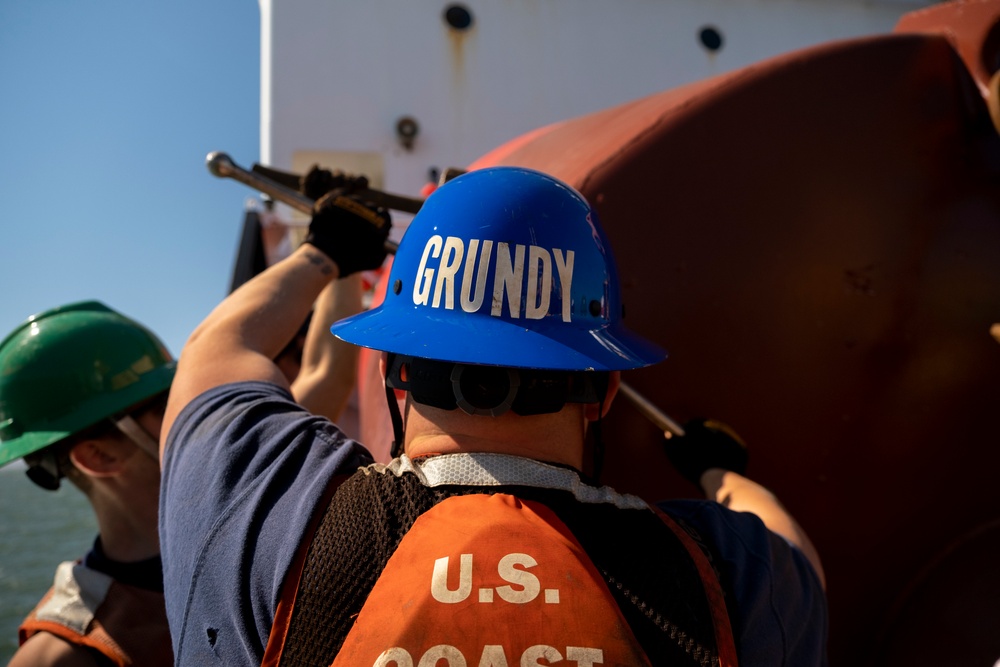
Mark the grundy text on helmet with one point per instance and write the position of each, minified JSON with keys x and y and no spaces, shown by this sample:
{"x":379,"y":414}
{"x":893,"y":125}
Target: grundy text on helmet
{"x":508,"y":277}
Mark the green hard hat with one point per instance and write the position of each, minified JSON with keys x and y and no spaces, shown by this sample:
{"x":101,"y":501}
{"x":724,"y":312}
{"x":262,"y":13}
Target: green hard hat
{"x":70,"y":367}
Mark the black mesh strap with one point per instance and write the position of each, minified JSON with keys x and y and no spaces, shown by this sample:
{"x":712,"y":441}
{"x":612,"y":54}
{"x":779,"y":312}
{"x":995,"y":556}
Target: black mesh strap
{"x":362,"y":526}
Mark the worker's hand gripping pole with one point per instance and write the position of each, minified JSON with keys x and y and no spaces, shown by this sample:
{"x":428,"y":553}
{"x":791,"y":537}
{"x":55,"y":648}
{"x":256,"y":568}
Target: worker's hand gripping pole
{"x":221,"y":165}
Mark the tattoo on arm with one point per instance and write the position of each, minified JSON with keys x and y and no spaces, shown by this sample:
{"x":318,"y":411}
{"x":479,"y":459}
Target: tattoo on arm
{"x":320,"y":260}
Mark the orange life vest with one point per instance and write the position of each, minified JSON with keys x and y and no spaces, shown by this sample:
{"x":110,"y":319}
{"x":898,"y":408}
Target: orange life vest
{"x":409,"y":571}
{"x":126,"y":624}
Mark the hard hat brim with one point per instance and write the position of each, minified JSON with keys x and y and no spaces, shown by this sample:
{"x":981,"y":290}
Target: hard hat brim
{"x":27,"y":443}
{"x":474,"y":341}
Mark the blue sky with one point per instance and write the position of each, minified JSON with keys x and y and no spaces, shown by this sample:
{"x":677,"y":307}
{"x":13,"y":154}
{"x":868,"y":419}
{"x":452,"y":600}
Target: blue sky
{"x":107,"y":110}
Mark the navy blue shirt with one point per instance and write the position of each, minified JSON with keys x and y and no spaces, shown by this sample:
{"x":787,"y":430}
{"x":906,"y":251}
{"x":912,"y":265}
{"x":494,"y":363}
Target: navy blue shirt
{"x":246,"y":467}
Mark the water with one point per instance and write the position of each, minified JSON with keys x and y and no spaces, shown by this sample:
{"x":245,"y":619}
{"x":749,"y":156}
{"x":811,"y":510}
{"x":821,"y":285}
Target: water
{"x":38,"y":530}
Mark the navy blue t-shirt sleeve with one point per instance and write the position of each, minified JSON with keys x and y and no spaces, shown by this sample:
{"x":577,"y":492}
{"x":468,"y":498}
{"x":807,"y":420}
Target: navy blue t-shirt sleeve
{"x":243,"y":472}
{"x":776,"y":601}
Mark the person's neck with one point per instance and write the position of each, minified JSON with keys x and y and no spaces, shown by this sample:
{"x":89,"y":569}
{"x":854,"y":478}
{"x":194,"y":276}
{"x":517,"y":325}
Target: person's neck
{"x":128,"y":546}
{"x":555,"y":438}
{"x":128,"y":528}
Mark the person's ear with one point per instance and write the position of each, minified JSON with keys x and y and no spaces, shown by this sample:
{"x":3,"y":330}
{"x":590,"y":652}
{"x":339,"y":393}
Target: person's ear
{"x":594,"y":411}
{"x":96,"y":458}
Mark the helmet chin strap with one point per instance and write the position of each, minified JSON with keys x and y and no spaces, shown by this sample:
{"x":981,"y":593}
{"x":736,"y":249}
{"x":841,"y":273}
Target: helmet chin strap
{"x":397,"y":418}
{"x":138,"y":435}
{"x":600,"y":388}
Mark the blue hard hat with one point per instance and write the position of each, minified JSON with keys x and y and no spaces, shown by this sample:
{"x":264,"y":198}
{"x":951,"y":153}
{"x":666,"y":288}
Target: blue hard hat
{"x":504,"y":266}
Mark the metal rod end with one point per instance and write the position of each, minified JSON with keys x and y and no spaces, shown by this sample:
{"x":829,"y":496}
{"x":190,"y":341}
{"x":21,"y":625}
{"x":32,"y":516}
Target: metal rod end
{"x":219,"y":164}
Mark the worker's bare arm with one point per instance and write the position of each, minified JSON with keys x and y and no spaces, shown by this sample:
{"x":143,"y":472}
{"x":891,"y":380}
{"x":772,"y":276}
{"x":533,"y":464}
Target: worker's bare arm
{"x":329,"y":365}
{"x":46,"y":650}
{"x":240,"y":338}
{"x":740,"y":494}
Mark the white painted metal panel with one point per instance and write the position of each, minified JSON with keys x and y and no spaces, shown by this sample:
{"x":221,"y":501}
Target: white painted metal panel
{"x":338,"y":74}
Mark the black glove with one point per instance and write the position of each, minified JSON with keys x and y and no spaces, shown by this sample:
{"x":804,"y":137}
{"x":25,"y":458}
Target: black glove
{"x":318,"y":182}
{"x":706,"y":444}
{"x":349,"y":232}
